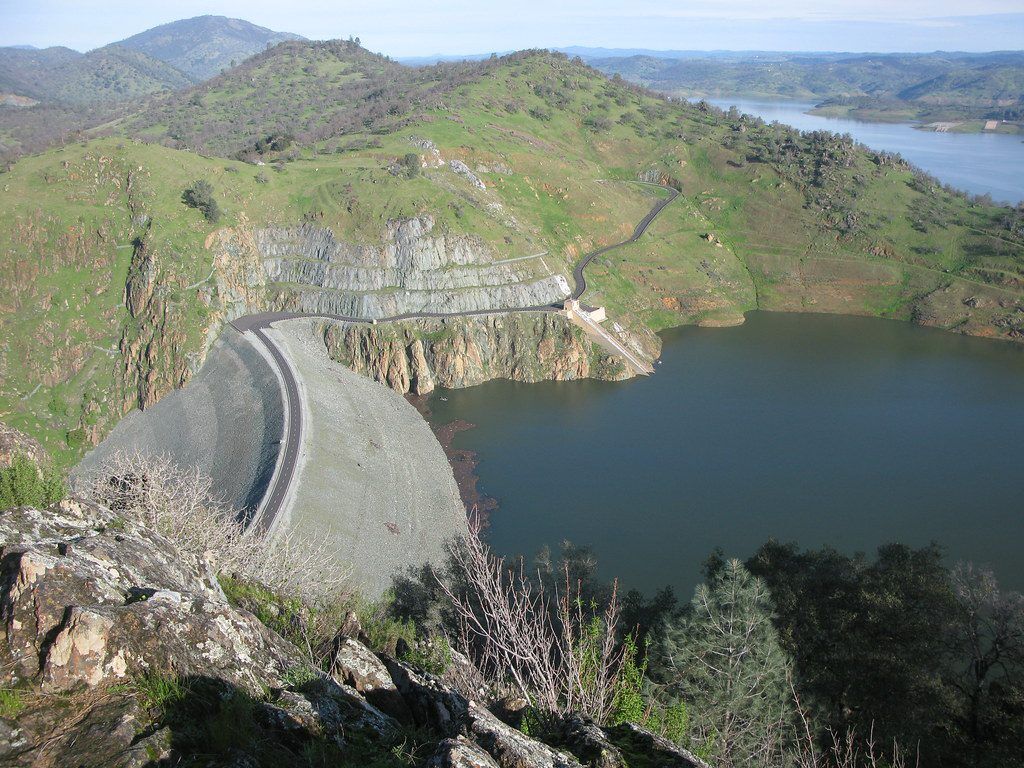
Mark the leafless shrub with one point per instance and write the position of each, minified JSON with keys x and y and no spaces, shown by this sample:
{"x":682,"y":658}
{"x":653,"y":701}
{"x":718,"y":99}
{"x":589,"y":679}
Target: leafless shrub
{"x":554,"y":651}
{"x":844,"y":750}
{"x":181,"y":504}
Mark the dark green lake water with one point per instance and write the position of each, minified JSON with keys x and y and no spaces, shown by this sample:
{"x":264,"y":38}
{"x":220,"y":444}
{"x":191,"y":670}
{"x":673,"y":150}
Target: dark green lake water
{"x":810,"y":428}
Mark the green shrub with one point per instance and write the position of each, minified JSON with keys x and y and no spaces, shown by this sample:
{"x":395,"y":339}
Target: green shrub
{"x":200,"y":196}
{"x":277,"y":612}
{"x":433,"y":655}
{"x":25,"y":484}
{"x":298,"y":676}
{"x":411,"y":163}
{"x":75,"y":438}
{"x":382,"y":629}
{"x":628,"y":705}
{"x":276,"y":142}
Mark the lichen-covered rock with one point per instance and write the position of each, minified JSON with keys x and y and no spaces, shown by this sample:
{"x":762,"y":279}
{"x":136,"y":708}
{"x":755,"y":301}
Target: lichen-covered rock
{"x":93,"y":605}
{"x":324,"y":707}
{"x":591,"y":745}
{"x":98,"y":732}
{"x":511,"y":748}
{"x":633,"y":740}
{"x":355,"y":665}
{"x":433,"y":704}
{"x":88,"y":598}
{"x":460,"y":753}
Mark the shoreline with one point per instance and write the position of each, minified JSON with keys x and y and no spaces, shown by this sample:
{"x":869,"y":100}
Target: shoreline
{"x":462,"y":461}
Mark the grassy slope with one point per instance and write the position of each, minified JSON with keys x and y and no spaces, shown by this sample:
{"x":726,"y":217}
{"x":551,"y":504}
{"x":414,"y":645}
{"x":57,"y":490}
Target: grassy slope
{"x":560,"y":150}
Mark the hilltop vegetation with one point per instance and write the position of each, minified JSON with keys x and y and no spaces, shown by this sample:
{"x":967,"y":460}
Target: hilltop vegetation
{"x":924,"y":87}
{"x":531,"y":153}
{"x":169,"y":57}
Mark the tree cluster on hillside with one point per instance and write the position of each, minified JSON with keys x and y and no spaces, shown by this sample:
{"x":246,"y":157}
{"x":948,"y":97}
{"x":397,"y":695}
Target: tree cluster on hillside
{"x":200,"y":196}
{"x":904,"y":648}
{"x":288,"y":90}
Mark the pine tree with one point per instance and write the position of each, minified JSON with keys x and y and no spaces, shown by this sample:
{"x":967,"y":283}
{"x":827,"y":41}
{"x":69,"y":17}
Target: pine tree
{"x":23,"y":483}
{"x":723,"y":659}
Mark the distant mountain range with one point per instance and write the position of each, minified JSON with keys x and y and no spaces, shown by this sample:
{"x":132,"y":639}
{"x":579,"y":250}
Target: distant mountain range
{"x":169,"y":57}
{"x":206,"y":45}
{"x":927,"y":86}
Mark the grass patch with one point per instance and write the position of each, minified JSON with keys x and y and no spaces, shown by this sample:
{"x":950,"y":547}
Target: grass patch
{"x":160,"y":691}
{"x":12,"y":703}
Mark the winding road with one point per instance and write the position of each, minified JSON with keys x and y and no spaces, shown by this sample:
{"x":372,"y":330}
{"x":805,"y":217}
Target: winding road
{"x":284,"y":474}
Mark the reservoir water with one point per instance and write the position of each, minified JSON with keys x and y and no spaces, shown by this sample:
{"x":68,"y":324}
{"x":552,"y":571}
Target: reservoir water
{"x":818,"y":429}
{"x":978,"y":163}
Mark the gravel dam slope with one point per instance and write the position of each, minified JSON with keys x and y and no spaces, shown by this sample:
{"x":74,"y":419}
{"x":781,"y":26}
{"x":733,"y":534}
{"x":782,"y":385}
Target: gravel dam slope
{"x":372,"y":480}
{"x":226,"y":422}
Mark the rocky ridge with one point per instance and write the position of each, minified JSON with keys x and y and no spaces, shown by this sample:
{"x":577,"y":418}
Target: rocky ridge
{"x":93,"y":605}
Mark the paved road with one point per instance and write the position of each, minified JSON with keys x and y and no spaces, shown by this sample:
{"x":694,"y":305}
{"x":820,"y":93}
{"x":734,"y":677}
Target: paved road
{"x":292,"y":439}
{"x":577,"y":273}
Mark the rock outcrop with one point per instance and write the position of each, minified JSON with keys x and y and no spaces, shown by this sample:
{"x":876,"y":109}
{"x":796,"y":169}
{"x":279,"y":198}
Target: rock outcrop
{"x":154,"y":342}
{"x":97,"y":610}
{"x":464,"y":351}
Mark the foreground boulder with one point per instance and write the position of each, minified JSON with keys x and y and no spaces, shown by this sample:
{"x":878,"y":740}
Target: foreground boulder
{"x":121,"y":650}
{"x":89,"y":598}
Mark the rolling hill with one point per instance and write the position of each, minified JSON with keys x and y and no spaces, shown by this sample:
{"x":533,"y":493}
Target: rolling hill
{"x":495,"y":177}
{"x":61,"y":76}
{"x":56,"y":94}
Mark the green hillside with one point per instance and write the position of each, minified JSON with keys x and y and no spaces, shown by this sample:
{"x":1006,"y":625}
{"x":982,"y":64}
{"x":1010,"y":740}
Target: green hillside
{"x":105,"y":268}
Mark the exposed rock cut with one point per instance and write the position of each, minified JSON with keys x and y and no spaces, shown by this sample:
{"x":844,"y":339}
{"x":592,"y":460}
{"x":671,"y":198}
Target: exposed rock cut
{"x":464,"y":351}
{"x":413,"y":270}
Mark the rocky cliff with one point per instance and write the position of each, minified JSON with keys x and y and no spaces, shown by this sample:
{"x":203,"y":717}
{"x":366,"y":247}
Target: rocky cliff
{"x":121,"y":650}
{"x":414,"y":269}
{"x":464,"y":351}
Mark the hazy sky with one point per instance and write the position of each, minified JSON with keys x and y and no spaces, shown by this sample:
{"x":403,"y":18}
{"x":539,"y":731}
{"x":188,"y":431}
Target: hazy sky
{"x":415,"y":27}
